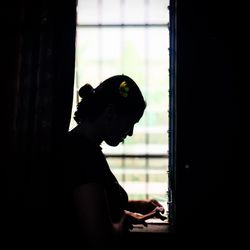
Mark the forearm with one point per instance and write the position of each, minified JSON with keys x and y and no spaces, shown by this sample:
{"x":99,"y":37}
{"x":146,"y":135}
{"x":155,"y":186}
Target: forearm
{"x":144,"y":206}
{"x":136,"y":206}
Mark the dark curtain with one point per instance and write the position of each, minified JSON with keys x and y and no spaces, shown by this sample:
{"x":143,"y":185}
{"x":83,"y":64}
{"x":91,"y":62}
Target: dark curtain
{"x":38,"y":56}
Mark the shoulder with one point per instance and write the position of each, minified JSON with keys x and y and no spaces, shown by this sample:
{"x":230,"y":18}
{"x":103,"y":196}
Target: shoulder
{"x":82,"y":161}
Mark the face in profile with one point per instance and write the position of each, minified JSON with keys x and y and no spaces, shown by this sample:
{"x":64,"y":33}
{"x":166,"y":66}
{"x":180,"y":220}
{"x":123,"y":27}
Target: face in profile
{"x":119,"y":127}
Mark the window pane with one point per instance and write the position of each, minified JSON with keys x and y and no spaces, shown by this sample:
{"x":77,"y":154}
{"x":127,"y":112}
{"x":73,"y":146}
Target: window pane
{"x":88,"y":11}
{"x":158,"y":11}
{"x":142,"y":177}
{"x":111,"y":12}
{"x":134,"y":11}
{"x":88,"y":56}
{"x":141,"y":52}
{"x":122,"y":11}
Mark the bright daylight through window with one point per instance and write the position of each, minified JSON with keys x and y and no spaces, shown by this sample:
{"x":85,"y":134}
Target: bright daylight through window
{"x":132,"y":38}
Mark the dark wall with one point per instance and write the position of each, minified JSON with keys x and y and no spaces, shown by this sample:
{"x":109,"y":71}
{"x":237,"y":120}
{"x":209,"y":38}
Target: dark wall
{"x":210,"y":49}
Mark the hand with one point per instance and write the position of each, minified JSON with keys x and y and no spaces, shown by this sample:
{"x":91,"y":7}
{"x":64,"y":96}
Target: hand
{"x":133,"y":219}
{"x":150,"y":205}
{"x":158,"y":213}
{"x":155,"y":205}
{"x":136,"y":218}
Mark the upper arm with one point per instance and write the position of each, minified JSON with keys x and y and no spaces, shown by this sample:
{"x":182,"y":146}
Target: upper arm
{"x":92,"y":211}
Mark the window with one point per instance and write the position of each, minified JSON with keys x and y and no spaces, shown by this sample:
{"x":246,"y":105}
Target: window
{"x":131,"y":37}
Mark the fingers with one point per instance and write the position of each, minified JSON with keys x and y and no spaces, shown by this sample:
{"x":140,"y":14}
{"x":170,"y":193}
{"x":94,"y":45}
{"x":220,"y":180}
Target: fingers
{"x":158,"y":206}
{"x":156,"y":213}
{"x":160,"y":216}
{"x":159,"y":209}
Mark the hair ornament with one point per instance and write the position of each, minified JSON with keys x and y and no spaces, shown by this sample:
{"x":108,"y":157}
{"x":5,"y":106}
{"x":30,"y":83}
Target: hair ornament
{"x":124,"y":89}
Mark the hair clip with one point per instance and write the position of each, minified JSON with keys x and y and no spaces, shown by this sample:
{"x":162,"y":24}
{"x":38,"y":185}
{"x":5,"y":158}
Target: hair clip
{"x":124,"y":89}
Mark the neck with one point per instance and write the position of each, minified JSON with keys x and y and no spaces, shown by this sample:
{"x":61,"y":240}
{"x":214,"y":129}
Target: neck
{"x":91,"y":130}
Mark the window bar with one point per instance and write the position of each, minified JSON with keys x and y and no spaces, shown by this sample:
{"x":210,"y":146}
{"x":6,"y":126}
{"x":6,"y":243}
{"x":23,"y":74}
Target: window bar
{"x":122,"y":35}
{"x":172,"y":107}
{"x":122,"y":25}
{"x":76,"y":85}
{"x":122,"y":70}
{"x":147,"y":90}
{"x":99,"y":26}
{"x":100,"y":40}
{"x":152,"y":156}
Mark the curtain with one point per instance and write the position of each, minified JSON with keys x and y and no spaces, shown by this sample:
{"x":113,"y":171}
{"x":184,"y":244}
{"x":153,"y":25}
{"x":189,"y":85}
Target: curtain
{"x":37,"y":80}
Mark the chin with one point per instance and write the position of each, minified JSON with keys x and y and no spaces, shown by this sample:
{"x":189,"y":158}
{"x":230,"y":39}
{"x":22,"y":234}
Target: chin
{"x":113,"y":143}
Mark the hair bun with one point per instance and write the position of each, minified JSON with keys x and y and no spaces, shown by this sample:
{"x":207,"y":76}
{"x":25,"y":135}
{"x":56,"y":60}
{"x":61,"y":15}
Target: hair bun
{"x":86,"y":91}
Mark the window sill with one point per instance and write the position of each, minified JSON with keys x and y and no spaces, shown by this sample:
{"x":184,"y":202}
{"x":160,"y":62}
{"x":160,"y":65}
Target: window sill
{"x":155,"y":228}
{"x":153,"y":234}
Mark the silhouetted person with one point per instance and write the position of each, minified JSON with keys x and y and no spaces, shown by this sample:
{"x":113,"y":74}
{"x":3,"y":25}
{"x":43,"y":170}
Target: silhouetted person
{"x":96,"y":209}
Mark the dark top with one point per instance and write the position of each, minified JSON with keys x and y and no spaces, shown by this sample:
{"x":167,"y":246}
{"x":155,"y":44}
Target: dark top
{"x":81,"y":162}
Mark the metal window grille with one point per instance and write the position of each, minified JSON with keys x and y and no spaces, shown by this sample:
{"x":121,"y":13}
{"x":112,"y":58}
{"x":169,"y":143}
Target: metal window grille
{"x":131,"y":37}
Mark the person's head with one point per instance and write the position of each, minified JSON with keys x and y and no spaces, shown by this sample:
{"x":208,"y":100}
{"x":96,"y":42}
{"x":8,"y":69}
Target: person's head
{"x":119,"y":100}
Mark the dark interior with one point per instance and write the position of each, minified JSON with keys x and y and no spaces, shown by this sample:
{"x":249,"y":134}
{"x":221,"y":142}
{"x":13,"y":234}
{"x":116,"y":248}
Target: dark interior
{"x":37,"y":62}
